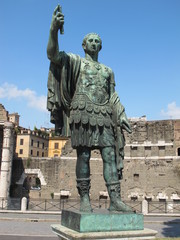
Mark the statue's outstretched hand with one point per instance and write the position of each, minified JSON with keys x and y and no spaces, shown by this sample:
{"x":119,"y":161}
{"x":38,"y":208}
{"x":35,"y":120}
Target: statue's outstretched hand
{"x":57,"y":21}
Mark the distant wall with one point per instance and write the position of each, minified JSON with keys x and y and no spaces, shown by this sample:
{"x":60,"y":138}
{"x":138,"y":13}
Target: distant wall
{"x":141,"y":177}
{"x":151,"y":165}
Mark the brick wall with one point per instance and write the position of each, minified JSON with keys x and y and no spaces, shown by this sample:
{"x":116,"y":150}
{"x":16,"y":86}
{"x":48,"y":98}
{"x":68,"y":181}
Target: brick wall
{"x":150,"y":165}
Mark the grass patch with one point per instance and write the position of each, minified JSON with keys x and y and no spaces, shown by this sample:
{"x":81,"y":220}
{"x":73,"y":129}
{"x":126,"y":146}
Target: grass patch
{"x":168,"y":238}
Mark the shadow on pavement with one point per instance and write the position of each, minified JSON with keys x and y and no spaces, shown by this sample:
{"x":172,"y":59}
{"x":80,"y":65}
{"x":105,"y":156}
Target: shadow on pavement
{"x":27,"y":238}
{"x":171,"y":228}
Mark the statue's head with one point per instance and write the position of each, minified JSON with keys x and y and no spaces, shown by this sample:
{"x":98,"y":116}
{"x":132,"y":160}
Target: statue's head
{"x":92,"y":42}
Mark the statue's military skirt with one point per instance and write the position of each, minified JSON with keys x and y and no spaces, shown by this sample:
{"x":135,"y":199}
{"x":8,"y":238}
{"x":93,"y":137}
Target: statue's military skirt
{"x":90,"y":124}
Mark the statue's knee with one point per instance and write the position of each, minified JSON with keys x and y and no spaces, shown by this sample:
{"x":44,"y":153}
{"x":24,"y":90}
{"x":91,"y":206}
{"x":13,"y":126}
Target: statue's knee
{"x":109,"y":156}
{"x":83,"y":155}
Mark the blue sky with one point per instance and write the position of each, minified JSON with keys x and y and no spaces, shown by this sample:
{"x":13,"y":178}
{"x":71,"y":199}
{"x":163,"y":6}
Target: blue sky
{"x":141,"y":43}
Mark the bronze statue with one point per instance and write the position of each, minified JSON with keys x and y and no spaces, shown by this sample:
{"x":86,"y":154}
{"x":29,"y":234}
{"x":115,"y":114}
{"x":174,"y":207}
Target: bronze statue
{"x":81,"y":91}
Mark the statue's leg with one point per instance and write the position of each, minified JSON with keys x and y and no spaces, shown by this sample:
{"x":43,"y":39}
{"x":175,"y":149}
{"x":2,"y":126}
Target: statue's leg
{"x":83,"y":178}
{"x":111,"y":179}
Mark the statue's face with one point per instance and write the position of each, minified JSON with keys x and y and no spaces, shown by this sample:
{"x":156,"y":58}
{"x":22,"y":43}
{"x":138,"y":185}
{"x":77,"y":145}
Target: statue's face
{"x":93,"y":45}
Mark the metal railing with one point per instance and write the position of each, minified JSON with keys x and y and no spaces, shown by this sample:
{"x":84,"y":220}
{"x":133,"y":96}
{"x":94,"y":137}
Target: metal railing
{"x":164,"y":207}
{"x":176,"y":207}
{"x":44,"y":205}
{"x":10,"y":204}
{"x":74,"y":204}
{"x":135,"y":205}
{"x":58,"y":204}
{"x":156,"y":207}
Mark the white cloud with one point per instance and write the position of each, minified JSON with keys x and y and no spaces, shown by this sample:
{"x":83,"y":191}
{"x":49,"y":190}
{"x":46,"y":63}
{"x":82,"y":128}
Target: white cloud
{"x":172,"y":112}
{"x":11,"y":91}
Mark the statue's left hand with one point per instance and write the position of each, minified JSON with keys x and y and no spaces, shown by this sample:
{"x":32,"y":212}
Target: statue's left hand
{"x":124,"y":123}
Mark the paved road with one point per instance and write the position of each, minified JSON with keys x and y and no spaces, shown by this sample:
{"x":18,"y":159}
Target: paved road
{"x":165,"y":226}
{"x":27,"y":238}
{"x":37,"y":226}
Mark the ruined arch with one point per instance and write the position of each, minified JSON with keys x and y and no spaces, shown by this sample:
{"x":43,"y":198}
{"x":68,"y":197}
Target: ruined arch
{"x":36,"y":172}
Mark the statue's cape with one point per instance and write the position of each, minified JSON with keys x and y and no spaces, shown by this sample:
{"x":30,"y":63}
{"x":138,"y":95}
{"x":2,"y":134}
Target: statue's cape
{"x":62,"y":81}
{"x":120,"y":122}
{"x":61,"y":87}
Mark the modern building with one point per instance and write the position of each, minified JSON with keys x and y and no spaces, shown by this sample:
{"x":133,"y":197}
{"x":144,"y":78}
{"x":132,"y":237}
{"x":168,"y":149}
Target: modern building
{"x":55,"y":146}
{"x":31,"y":144}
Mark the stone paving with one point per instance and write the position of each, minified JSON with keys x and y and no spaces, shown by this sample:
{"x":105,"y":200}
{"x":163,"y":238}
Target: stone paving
{"x":39,"y":224}
{"x":25,"y":228}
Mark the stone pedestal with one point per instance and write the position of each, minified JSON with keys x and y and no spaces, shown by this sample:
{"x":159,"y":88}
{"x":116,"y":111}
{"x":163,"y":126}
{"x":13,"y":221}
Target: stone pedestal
{"x":64,"y":233}
{"x":102,"y":224}
{"x":101,"y":221}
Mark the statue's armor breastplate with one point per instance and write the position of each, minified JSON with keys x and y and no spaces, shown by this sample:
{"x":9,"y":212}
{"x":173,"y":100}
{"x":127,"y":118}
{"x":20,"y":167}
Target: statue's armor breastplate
{"x":90,"y":103}
{"x":94,"y":81}
{"x":90,"y":112}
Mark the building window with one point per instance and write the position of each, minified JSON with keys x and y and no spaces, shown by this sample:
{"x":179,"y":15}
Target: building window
{"x":178,"y":151}
{"x":148,"y":148}
{"x":43,"y":145}
{"x":37,"y":153}
{"x":42,"y":154}
{"x":134,"y":198}
{"x":32,"y":142}
{"x":136,"y":177}
{"x":38,"y":144}
{"x":20,"y":151}
{"x":35,"y":184}
{"x":56,"y":145}
{"x":161,"y":151}
{"x":149,"y":199}
{"x":134,"y":148}
{"x":147,"y":151}
{"x":31,"y":152}
{"x":21,"y":141}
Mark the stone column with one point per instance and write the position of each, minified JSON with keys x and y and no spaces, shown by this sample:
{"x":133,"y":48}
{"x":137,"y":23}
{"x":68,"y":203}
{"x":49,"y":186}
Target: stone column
{"x":23,"y":204}
{"x":145,"y":207}
{"x":6,"y":163}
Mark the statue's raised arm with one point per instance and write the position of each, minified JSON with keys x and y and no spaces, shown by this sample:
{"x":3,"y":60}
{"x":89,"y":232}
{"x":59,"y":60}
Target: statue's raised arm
{"x":57,"y":23}
{"x":61,"y":84}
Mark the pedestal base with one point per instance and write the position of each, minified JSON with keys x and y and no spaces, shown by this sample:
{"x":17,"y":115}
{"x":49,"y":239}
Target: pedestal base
{"x":68,"y":234}
{"x":101,"y":221}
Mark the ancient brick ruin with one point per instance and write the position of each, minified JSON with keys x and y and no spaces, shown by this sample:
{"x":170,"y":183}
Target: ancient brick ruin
{"x":151,"y":166}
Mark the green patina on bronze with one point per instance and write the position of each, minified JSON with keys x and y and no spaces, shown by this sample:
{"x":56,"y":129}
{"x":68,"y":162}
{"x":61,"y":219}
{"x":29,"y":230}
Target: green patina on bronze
{"x":101,"y":221}
{"x":81,"y":94}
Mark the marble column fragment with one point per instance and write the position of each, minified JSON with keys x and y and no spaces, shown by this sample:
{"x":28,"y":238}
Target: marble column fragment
{"x":6,"y":163}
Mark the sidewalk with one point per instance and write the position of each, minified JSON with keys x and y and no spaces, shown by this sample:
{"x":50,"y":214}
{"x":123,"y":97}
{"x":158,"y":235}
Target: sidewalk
{"x":31,"y":216}
{"x":39,"y":224}
{"x":45,"y":216}
{"x":28,"y":224}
